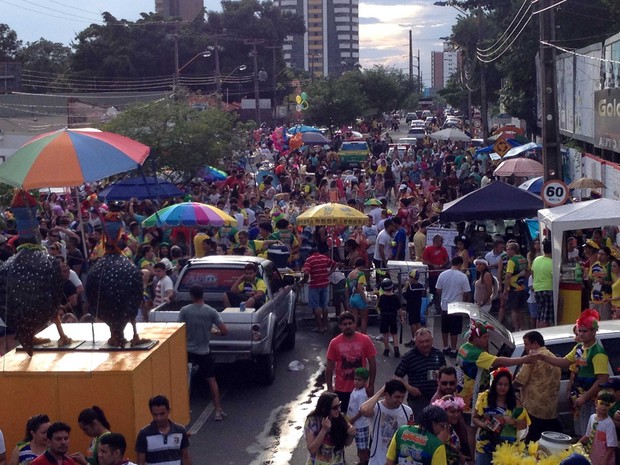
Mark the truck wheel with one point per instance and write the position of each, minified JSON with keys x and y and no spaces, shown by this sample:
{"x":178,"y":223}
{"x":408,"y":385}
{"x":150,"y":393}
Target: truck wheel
{"x":289,"y":340}
{"x":266,"y":367}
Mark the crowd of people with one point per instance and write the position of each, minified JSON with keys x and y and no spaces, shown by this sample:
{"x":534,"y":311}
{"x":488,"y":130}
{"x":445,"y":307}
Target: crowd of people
{"x":437,"y":414}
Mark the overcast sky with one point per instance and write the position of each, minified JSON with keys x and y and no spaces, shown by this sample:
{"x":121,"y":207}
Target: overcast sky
{"x":384,"y":25}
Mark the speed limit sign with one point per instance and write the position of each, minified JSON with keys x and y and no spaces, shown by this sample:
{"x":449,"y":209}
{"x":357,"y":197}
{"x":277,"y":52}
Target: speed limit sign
{"x":554,"y":193}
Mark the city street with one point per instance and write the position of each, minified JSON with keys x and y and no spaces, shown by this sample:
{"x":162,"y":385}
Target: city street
{"x":265,"y":424}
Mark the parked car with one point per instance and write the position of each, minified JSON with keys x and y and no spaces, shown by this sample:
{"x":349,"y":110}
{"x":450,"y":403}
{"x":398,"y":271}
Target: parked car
{"x":558,"y":339}
{"x":253,"y":334}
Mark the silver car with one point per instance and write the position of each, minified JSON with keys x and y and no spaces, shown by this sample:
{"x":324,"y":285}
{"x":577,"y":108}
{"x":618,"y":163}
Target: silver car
{"x":558,"y":339}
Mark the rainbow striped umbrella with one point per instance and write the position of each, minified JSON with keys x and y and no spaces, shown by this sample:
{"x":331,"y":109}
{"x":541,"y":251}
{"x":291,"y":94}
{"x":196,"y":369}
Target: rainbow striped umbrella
{"x":71,"y":157}
{"x":189,"y":214}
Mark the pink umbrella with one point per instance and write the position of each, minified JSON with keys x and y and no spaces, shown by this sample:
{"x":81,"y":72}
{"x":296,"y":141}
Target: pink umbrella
{"x":522,"y":167}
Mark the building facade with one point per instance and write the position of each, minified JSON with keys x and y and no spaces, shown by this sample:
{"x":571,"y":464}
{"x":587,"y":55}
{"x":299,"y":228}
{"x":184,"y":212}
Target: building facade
{"x":330,"y":45}
{"x":443,"y":65}
{"x":186,"y":9}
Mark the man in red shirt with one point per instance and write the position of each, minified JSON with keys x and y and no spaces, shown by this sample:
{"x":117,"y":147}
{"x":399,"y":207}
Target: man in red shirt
{"x":57,"y":446}
{"x":436,"y":257}
{"x":318,"y":267}
{"x":347,"y":352}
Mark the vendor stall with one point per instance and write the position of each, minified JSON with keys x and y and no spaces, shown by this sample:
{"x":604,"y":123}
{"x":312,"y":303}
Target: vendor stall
{"x":558,"y":220}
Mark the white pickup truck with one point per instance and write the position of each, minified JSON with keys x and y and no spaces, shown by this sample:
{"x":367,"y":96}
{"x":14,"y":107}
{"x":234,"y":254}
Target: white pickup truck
{"x":253,"y":334}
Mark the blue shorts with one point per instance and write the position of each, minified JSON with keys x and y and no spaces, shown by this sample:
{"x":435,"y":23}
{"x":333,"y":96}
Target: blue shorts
{"x":357,"y":301}
{"x":317,"y":297}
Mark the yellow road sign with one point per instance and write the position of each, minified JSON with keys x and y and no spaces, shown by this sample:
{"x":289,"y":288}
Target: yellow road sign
{"x":501,"y":147}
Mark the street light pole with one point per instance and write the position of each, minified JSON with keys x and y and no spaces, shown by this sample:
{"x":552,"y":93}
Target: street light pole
{"x":177,"y":72}
{"x":238,"y":68}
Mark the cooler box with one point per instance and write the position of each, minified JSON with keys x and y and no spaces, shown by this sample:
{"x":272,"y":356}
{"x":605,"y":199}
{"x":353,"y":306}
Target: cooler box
{"x":279,"y":256}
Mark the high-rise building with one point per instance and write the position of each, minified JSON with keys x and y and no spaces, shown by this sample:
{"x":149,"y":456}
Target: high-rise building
{"x":443,"y":65}
{"x":186,"y":9}
{"x":330,"y":45}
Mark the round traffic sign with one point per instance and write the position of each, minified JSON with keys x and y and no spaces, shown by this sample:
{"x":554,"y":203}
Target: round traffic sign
{"x":554,"y":193}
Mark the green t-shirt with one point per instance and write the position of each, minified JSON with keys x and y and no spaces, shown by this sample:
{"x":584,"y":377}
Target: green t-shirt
{"x":589,"y":362}
{"x":474,"y":364}
{"x":516,"y":264}
{"x":411,"y":444}
{"x":542,"y":268}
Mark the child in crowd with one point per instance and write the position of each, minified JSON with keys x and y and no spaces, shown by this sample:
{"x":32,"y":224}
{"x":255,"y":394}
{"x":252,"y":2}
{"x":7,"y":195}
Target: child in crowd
{"x":389,"y":305}
{"x":355,"y":417}
{"x":600,"y":439}
{"x":413,"y":293}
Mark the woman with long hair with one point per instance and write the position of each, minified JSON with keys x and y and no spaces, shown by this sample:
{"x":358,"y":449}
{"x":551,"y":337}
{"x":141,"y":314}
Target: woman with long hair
{"x":94,"y":424}
{"x":483,"y":286}
{"x":34,"y":443}
{"x":327,"y":432}
{"x":456,"y":448}
{"x":499,"y":416}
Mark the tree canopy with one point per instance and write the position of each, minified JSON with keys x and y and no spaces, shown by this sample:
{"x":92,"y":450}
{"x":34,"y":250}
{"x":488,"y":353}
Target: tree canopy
{"x":182,"y":139}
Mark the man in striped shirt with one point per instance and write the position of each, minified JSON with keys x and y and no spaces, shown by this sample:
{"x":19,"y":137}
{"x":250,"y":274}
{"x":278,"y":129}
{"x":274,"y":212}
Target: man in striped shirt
{"x":317,"y":268}
{"x":162,"y":441}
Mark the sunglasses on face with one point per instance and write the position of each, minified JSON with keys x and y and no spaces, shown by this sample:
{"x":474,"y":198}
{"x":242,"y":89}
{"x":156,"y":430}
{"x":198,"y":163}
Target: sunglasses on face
{"x":447,"y":383}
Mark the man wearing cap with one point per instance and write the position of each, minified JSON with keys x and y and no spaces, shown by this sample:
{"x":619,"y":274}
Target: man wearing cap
{"x":540,"y":384}
{"x":592,"y":365}
{"x":248,"y":288}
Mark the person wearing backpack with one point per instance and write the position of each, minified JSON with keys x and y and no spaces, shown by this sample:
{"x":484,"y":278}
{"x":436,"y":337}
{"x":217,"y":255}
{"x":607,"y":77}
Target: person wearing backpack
{"x":486,"y":286}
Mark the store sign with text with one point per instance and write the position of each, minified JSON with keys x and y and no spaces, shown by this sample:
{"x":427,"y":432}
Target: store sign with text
{"x":607,"y":119}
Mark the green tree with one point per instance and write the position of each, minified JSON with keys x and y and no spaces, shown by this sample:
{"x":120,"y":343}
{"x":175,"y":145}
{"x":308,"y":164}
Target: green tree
{"x":454,"y":92}
{"x":181,"y":139}
{"x":43,"y":63}
{"x":385,"y":89}
{"x":335,"y":102}
{"x":9,"y":44}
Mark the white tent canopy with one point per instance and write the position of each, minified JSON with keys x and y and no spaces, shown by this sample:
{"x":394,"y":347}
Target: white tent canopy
{"x":581,"y":215}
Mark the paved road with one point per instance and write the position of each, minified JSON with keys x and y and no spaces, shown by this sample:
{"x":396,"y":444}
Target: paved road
{"x":265,"y":423}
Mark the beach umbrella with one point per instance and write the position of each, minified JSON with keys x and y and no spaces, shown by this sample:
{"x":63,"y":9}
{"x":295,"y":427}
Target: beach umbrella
{"x":314,"y":138}
{"x":533,"y":185}
{"x":332,"y":214}
{"x":140,"y":188}
{"x":212,"y":174}
{"x":524,"y":167}
{"x":521,"y":149}
{"x":452,"y":134}
{"x":586,"y":183}
{"x":189,"y":214}
{"x":303,"y":128}
{"x":71,"y":157}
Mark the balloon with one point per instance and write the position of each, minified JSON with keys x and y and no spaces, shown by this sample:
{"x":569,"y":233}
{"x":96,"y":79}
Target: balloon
{"x":298,"y":99}
{"x":304,"y":96}
{"x":304,"y":105}
{"x":296,"y":141}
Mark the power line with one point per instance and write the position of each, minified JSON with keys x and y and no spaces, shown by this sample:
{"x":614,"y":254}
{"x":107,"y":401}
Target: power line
{"x":529,"y":5}
{"x":57,"y":11}
{"x":67,"y":18}
{"x":509,"y":39}
{"x":549,"y":7}
{"x":572,"y":52}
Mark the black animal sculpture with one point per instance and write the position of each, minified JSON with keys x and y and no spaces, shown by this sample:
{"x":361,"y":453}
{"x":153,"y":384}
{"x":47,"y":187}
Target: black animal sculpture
{"x":114,"y":285}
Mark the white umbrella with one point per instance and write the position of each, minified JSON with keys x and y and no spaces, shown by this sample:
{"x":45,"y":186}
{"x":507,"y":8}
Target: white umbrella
{"x":522,"y":167}
{"x":451,"y":134}
{"x":519,"y":149}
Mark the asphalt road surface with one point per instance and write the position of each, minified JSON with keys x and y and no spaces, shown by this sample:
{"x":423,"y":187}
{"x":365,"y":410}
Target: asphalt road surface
{"x":265,"y":423}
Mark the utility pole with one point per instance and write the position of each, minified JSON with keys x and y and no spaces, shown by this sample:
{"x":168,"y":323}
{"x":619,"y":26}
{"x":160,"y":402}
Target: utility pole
{"x":552,"y":161}
{"x":254,"y":43}
{"x":483,"y":84}
{"x":176,"y":61}
{"x":419,"y":75}
{"x":410,"y":58}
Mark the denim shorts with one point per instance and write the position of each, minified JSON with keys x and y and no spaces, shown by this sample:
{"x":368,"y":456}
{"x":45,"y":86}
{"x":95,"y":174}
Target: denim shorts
{"x":317,"y":297}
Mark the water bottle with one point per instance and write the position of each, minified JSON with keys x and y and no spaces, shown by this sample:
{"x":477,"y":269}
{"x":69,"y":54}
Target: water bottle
{"x":578,"y":273}
{"x":242,"y":307}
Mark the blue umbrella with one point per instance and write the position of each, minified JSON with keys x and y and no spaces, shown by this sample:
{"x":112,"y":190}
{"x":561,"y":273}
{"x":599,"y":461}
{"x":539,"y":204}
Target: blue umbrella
{"x":261,"y":175}
{"x":490,"y":149}
{"x":533,"y":185}
{"x":212,"y":174}
{"x":141,"y":188}
{"x":302,"y":128}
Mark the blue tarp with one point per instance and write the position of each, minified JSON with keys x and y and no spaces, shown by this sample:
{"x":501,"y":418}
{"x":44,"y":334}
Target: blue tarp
{"x":138,"y":188}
